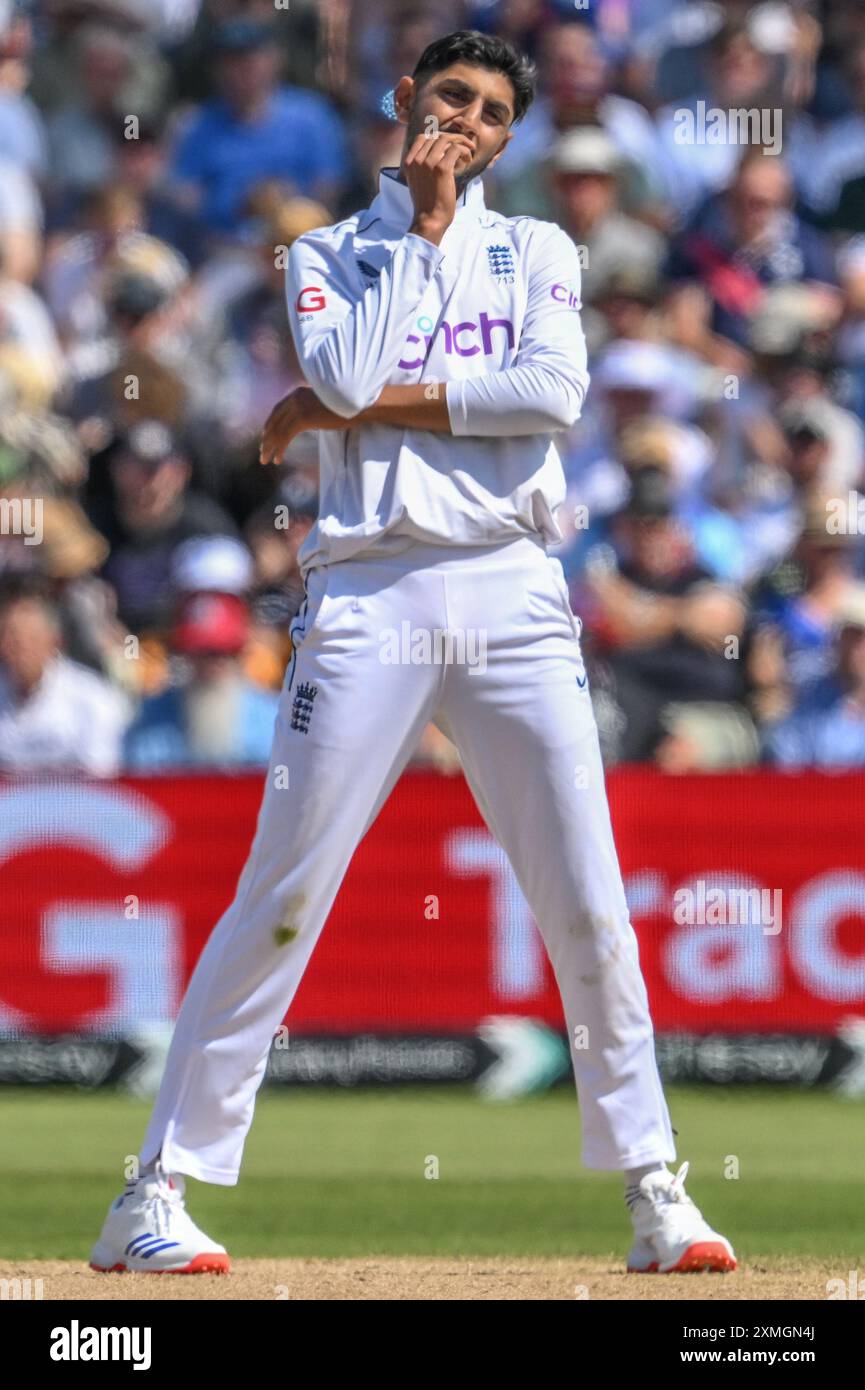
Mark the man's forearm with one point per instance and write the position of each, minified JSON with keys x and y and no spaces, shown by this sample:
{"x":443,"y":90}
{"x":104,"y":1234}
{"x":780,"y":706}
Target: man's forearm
{"x":405,"y":407}
{"x":421,"y":407}
{"x":530,"y":399}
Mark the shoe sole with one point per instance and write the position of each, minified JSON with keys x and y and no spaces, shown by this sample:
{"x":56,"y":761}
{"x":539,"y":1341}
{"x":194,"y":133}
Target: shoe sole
{"x":707,"y":1256}
{"x":202,"y":1264}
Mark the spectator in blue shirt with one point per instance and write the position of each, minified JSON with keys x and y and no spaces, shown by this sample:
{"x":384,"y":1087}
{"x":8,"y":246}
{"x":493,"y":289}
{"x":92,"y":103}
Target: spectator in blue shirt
{"x":827,"y":728}
{"x":255,"y":130}
{"x":801,"y":599}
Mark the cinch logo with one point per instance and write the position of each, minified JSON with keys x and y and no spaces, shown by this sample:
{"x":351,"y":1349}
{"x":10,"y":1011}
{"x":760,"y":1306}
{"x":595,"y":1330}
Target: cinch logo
{"x":457,"y":338}
{"x":566,"y":294}
{"x":310,"y":298}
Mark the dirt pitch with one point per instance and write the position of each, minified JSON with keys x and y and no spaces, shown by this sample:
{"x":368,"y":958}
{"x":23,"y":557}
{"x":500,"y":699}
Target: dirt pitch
{"x":434,"y":1279}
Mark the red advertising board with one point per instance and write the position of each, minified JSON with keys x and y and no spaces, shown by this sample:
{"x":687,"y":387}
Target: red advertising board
{"x":109,"y":891}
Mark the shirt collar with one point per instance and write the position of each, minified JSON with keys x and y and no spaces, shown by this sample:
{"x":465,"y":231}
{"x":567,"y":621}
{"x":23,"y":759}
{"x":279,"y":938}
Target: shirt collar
{"x":393,"y":203}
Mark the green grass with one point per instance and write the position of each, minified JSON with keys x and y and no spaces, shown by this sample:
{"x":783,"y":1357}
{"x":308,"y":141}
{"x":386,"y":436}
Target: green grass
{"x":342,"y":1173}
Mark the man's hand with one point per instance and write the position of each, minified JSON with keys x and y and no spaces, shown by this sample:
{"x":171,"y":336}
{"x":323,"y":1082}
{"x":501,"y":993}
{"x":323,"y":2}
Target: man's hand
{"x":709,"y":615}
{"x":429,"y":169}
{"x":298,"y":411}
{"x":405,"y":407}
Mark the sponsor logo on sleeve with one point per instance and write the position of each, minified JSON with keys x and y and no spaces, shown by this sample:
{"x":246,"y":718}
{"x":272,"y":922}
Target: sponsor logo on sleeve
{"x":310,"y":300}
{"x":566,"y":293}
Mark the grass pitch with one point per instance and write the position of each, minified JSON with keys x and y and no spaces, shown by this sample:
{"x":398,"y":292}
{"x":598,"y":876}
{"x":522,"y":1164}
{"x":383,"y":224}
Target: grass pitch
{"x":349,"y":1175}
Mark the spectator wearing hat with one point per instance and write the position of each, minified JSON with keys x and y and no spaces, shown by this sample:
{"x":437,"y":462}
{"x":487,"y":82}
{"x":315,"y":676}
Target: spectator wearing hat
{"x":55,"y":715}
{"x":151,"y":511}
{"x":797,"y":606}
{"x":212,"y":715}
{"x":632,"y":381}
{"x":827,"y":726}
{"x":254,"y":130}
{"x":625,"y":304}
{"x":223,"y":565}
{"x":662,"y":625}
{"x":794,"y":339}
{"x":585,"y":171}
{"x":794,"y":483}
{"x":654,"y":441}
{"x":103,"y":285}
{"x":575,"y":91}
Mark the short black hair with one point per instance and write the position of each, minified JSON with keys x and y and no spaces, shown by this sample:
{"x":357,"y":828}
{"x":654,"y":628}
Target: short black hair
{"x":484,"y":51}
{"x":28,"y":587}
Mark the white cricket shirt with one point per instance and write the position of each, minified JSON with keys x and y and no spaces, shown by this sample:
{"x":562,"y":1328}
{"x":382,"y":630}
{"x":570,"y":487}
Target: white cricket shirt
{"x":493,"y":316}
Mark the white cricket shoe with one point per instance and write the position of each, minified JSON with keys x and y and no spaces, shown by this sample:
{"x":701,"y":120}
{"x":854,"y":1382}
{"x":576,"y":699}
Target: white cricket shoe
{"x":671,"y":1235}
{"x":149,"y":1231}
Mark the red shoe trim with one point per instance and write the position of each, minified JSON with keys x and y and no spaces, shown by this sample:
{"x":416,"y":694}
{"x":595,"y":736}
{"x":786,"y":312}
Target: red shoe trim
{"x":202,"y":1264}
{"x":704,"y":1254}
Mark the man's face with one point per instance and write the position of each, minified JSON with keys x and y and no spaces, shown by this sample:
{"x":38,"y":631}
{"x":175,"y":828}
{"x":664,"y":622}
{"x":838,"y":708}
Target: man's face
{"x":586,"y":196}
{"x":466,"y":100}
{"x":243,"y":77}
{"x":807,"y":457}
{"x":650,"y":541}
{"x":211,"y":668}
{"x":141,"y":164}
{"x":576,"y":73}
{"x":103,"y":71}
{"x":740,"y":70}
{"x":148,"y":490}
{"x":28,"y":641}
{"x":760,"y":193}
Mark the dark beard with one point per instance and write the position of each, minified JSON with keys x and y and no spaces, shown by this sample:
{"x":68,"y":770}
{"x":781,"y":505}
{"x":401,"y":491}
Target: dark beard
{"x":461,"y":180}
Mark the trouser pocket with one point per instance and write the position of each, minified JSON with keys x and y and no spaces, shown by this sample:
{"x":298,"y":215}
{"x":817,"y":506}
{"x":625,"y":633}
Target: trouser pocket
{"x":561,"y":584}
{"x":314,"y":596}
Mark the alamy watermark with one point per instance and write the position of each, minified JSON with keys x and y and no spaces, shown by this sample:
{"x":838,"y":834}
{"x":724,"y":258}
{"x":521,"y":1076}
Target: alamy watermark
{"x":421,"y":646}
{"x":712,"y":125}
{"x":845,"y":516}
{"x":22,"y":516}
{"x":705,"y":906}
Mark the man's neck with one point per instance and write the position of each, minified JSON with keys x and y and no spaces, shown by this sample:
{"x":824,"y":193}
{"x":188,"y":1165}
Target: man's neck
{"x":252,"y":109}
{"x":24,"y":689}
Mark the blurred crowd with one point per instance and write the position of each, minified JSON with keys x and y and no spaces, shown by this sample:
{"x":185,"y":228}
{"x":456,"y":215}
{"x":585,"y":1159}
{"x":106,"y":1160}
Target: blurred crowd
{"x":158,"y":157}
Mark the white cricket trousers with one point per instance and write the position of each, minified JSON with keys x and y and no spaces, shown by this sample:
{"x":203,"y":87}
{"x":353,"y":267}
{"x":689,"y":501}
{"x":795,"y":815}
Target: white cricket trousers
{"x":504,"y":679}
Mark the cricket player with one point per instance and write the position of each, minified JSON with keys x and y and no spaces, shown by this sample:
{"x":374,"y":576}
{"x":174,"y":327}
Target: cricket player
{"x":442,"y":348}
